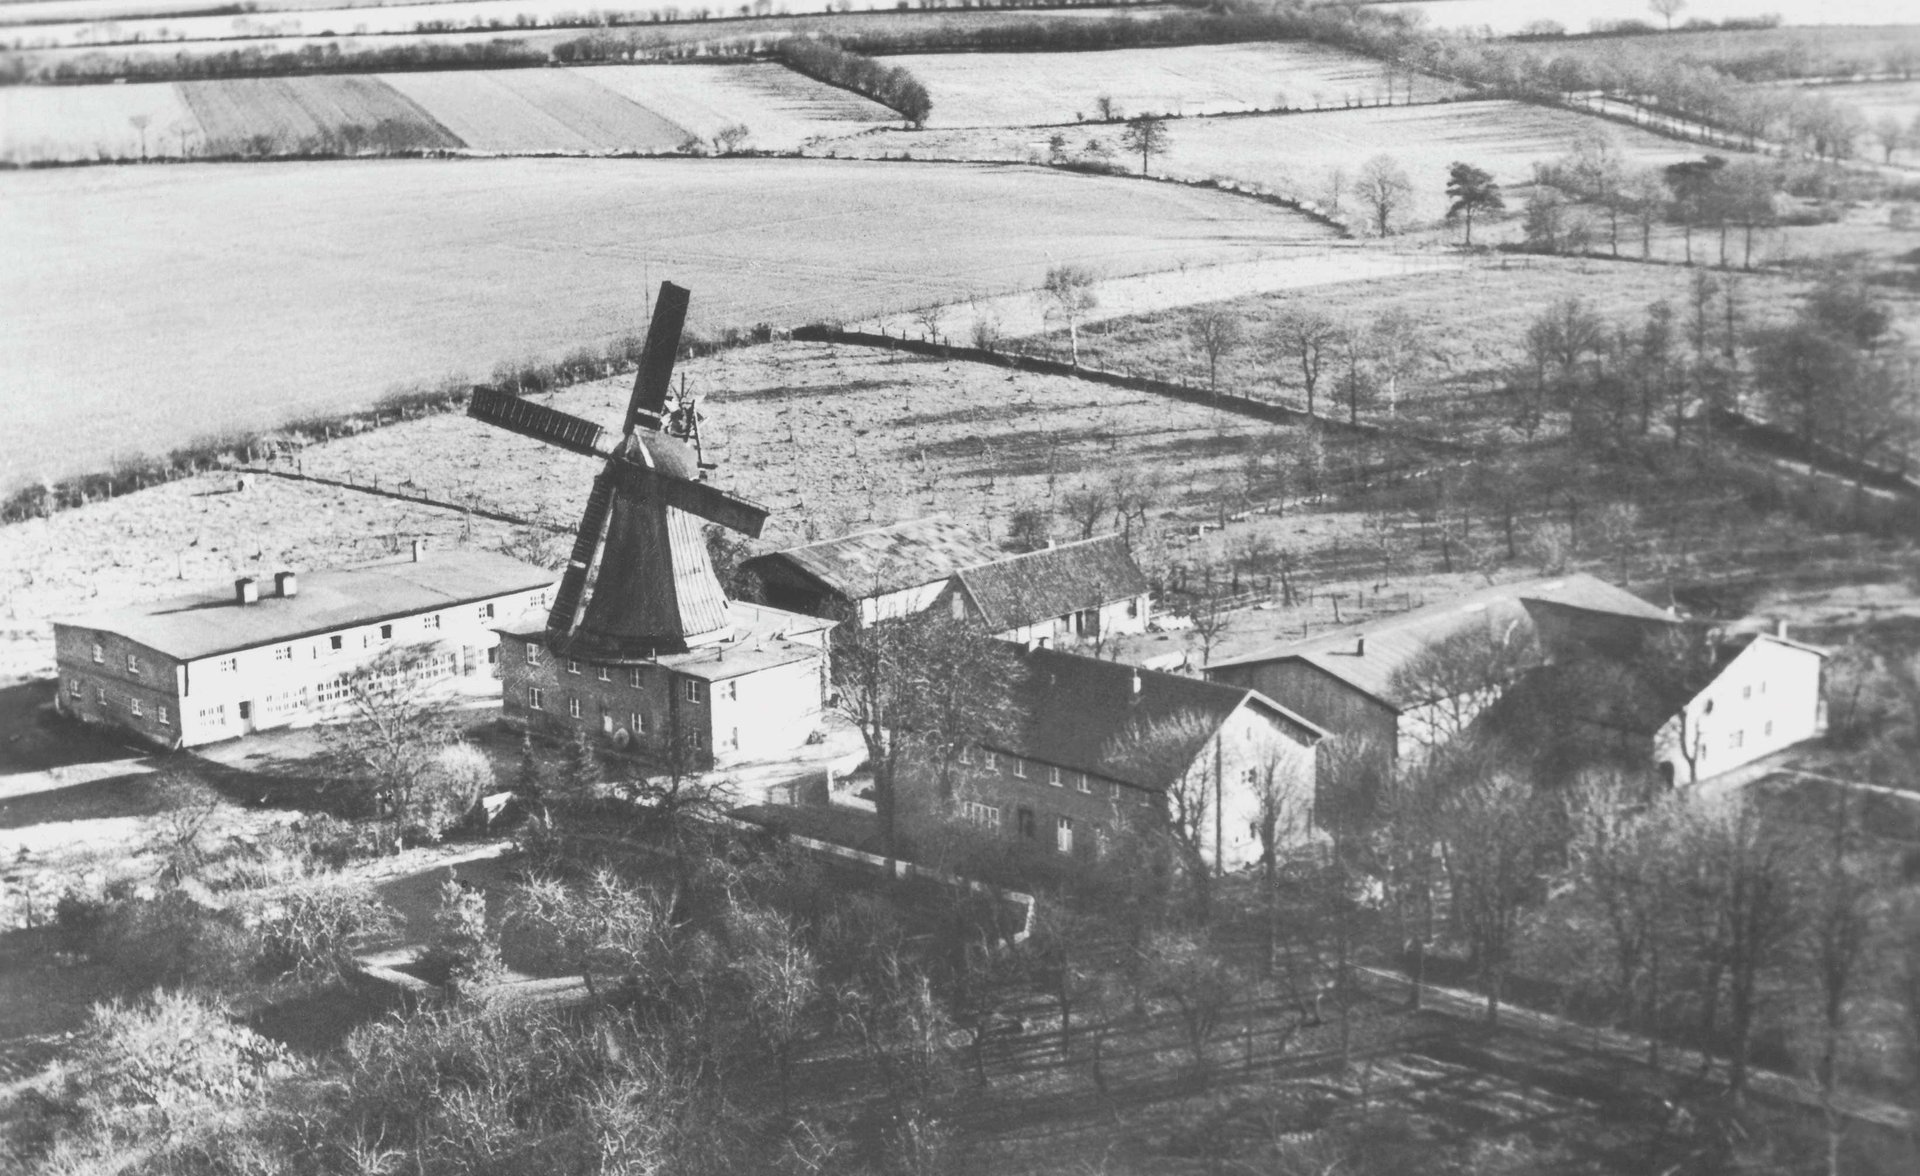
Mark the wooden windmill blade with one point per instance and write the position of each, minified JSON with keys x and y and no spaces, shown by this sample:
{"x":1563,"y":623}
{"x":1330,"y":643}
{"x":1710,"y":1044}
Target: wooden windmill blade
{"x":696,"y":498}
{"x":515,"y":415}
{"x":652,"y":383}
{"x":564,"y":616}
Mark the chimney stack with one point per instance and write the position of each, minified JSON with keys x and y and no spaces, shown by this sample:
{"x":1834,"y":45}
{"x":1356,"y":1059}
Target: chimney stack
{"x":1780,"y":628}
{"x":246,"y":590}
{"x":286,"y":584}
{"x":419,"y":549}
{"x":1360,"y":646}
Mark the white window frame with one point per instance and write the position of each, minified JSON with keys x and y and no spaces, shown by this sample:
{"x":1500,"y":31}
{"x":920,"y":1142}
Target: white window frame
{"x":1019,"y":767}
{"x":693,"y":690}
{"x":133,"y":664}
{"x":536,"y":698}
{"x":637,"y":722}
{"x":965,"y":755}
{"x":573,"y":665}
{"x":1063,"y":834}
{"x":1081,"y":783}
{"x":986,"y":816}
{"x":1054,"y":777}
{"x":992,"y":762}
{"x":99,"y":653}
{"x":100,"y":695}
{"x":133,"y":707}
{"x":164,"y":717}
{"x":606,"y":673}
{"x":533,"y":653}
{"x":573,"y":706}
{"x":633,"y":677}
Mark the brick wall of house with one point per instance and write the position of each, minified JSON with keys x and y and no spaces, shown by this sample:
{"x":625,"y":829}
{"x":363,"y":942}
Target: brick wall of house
{"x":107,"y":690}
{"x":993,"y":789}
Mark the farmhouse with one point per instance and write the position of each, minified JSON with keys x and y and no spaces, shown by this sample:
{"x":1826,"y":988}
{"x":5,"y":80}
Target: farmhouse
{"x":760,"y":691}
{"x":1100,"y":743}
{"x":1416,"y":680}
{"x":1061,"y":595}
{"x":203,"y":668}
{"x":1747,"y":696}
{"x":889,"y":571}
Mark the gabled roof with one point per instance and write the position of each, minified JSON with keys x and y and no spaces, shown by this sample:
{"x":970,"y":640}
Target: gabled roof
{"x":1052,"y":582}
{"x":1392,"y":643}
{"x":886,"y":559}
{"x":1075,"y":710}
{"x":190,"y":627}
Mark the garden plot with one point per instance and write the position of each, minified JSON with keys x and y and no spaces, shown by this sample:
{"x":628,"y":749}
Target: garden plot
{"x":537,"y":110}
{"x":269,"y":115}
{"x":207,"y":298}
{"x":39,"y":123}
{"x":781,"y":109}
{"x":1025,"y":89}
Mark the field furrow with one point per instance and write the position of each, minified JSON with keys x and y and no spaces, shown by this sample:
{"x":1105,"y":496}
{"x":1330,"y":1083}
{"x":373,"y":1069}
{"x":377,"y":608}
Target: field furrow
{"x":536,"y":111}
{"x":780,"y":109}
{"x":264,"y":116}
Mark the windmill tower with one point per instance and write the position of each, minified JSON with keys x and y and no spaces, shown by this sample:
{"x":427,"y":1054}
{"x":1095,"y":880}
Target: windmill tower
{"x":638,"y":582}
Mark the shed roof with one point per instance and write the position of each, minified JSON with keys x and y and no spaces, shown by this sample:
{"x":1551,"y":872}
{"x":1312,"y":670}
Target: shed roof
{"x":1076,"y":710}
{"x":1052,"y":582}
{"x":204,"y":625}
{"x":1394,"y":642}
{"x":886,"y":559}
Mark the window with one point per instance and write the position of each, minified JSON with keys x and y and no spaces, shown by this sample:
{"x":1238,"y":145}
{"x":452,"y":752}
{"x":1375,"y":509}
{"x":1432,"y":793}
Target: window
{"x":486,"y":612}
{"x":573,"y":706}
{"x":493,"y":655}
{"x":99,"y":653}
{"x":1081,"y":783}
{"x":733,"y":690}
{"x":606,"y":673}
{"x":733,"y":740}
{"x":536,"y":698}
{"x":133,"y":665}
{"x":992,"y":762}
{"x":386,"y":632}
{"x":100,"y":695}
{"x":163,"y":716}
{"x":957,"y":607}
{"x":1019,"y":767}
{"x":133,"y":704}
{"x":573,"y":666}
{"x":1133,"y":609}
{"x":633,"y":677}
{"x":1053,"y":777}
{"x":1738,"y":740}
{"x":214,"y":715}
{"x":1026,"y":823}
{"x":336,"y":642}
{"x":229,"y":665}
{"x":284,"y":653}
{"x":637,"y":723}
{"x":693,"y":690}
{"x":430,"y":622}
{"x":1769,"y":730}
{"x":1063,"y":834}
{"x":73,"y":687}
{"x":533,"y":654}
{"x":606,"y":722}
{"x":986,"y":816}
{"x":966,"y":754}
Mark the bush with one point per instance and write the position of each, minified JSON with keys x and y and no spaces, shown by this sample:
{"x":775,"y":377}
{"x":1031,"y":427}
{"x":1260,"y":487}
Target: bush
{"x":310,"y":932}
{"x":464,"y":953}
{"x":172,"y":940}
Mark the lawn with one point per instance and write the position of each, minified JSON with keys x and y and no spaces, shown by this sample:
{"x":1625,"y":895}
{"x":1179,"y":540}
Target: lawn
{"x":165,"y":303}
{"x":1021,"y":89}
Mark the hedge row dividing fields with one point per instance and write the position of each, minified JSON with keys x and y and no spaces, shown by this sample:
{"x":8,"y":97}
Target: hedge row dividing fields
{"x":598,"y":110}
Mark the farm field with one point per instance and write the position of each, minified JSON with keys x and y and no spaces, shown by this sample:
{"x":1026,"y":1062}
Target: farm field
{"x":216,"y":297}
{"x":1024,"y":89}
{"x":1295,"y":155}
{"x":1506,"y":17}
{"x":591,"y":110}
{"x":1877,"y":100}
{"x":1791,"y":51}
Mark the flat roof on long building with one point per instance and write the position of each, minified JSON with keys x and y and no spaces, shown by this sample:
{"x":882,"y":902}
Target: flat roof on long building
{"x":208,"y":624}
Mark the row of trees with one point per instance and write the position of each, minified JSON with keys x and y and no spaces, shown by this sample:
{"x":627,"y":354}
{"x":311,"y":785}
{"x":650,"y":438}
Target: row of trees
{"x":827,"y":61}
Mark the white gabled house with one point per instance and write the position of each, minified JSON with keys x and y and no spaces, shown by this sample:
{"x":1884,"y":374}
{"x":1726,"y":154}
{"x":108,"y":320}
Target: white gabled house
{"x":1764,"y":697}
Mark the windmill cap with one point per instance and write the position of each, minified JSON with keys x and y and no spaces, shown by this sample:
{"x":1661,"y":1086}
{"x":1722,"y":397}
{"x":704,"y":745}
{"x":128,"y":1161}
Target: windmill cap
{"x":671,"y":456}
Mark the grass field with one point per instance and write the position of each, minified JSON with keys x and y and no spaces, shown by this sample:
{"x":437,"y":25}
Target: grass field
{"x":1505,"y":17}
{"x":1816,"y":48}
{"x":1296,"y":155}
{"x":144,"y":306}
{"x":593,"y":110}
{"x":1023,"y":89}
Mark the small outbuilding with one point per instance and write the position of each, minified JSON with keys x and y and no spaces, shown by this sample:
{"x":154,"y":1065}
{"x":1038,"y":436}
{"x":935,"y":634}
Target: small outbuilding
{"x":881,"y":572}
{"x":1069,"y":594}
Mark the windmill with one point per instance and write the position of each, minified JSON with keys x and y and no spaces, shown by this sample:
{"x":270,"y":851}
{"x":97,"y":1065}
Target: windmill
{"x":653,"y":589}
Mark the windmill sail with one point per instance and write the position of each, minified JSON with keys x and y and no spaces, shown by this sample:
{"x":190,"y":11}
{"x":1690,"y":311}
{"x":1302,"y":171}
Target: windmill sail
{"x":652,"y":383}
{"x":564,"y":616}
{"x":528,"y":419}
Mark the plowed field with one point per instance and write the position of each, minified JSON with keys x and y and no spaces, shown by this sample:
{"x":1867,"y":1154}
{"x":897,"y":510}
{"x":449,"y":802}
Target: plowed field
{"x":537,"y":110}
{"x":276,"y":115}
{"x":781,"y":109}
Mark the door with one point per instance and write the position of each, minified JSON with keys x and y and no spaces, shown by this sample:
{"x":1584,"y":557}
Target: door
{"x":246,"y":716}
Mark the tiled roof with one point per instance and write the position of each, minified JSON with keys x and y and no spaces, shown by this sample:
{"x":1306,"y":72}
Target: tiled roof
{"x":1396,"y":641}
{"x":192,"y":627}
{"x":1053,"y":582}
{"x":1076,"y":711}
{"x":889,"y":558}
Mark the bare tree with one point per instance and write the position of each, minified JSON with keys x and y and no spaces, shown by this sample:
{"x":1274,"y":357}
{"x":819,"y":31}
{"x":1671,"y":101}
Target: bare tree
{"x":1170,"y":748}
{"x":1496,"y":831}
{"x":1667,"y":9}
{"x":730,"y":139}
{"x":782,"y":986}
{"x":1087,"y":504}
{"x":1217,"y":332}
{"x":1395,"y":339}
{"x":1306,"y":337}
{"x":1384,"y":188}
{"x":1069,"y":292}
{"x":394,"y":740}
{"x":1147,"y":135}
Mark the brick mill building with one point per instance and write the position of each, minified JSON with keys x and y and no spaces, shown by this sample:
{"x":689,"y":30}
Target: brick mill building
{"x":199,"y":669}
{"x":761,"y":691}
{"x":1069,"y":772}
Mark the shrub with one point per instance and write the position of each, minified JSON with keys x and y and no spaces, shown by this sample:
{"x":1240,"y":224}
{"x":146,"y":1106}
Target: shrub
{"x":464,"y":953}
{"x":172,"y":940}
{"x":311,"y":930}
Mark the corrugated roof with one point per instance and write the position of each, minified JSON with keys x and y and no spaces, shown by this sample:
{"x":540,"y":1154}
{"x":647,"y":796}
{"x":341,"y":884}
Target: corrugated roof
{"x":199,"y":626}
{"x":889,"y":558}
{"x":1395,"y":642}
{"x":1075,"y":711}
{"x":1053,"y":582}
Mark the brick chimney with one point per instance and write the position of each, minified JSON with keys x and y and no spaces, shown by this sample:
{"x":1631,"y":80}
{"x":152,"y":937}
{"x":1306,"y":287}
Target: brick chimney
{"x":419,"y":549}
{"x":1360,"y":646}
{"x":246,"y":590}
{"x":1780,"y":628}
{"x":286,"y":584}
